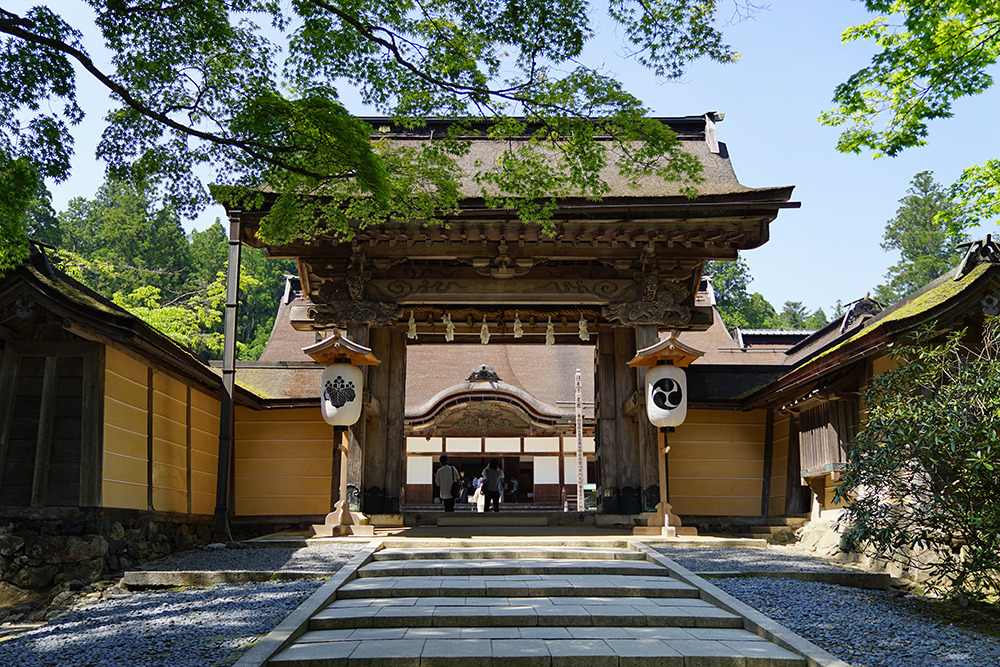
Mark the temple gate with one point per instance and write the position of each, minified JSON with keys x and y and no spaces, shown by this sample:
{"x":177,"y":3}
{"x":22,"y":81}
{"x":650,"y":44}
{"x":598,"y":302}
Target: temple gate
{"x":613,"y":274}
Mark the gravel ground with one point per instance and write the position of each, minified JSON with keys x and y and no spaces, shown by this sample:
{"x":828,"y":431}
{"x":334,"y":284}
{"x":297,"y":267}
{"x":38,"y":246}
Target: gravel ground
{"x":205,"y":627}
{"x":744,"y":559}
{"x":865,"y":628}
{"x":197,"y":627}
{"x":320,"y":558}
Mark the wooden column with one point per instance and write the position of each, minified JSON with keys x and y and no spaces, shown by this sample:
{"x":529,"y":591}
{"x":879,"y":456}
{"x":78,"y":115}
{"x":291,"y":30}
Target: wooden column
{"x":645,"y":335}
{"x":384,"y":441}
{"x":9,"y":371}
{"x":765,"y":481}
{"x":46,"y":424}
{"x":797,"y":496}
{"x":606,"y":426}
{"x":617,"y":436}
{"x":629,"y":470}
{"x":357,"y":433}
{"x":92,"y":428}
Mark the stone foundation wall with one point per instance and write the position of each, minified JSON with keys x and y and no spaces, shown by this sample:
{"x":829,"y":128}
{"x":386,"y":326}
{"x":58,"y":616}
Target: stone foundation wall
{"x":42,"y":548}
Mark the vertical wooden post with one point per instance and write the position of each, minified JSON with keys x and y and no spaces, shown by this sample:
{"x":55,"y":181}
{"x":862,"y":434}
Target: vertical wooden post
{"x":92,"y":428}
{"x":605,"y":401}
{"x":765,"y":482}
{"x":46,"y":425}
{"x":358,"y":433}
{"x":646,"y":335}
{"x":664,"y":518}
{"x":149,"y":438}
{"x":226,"y":408}
{"x":341,"y":514}
{"x":9,"y":371}
{"x":395,"y":415}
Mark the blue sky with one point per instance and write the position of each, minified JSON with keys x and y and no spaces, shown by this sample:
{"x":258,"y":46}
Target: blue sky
{"x":792,"y":58}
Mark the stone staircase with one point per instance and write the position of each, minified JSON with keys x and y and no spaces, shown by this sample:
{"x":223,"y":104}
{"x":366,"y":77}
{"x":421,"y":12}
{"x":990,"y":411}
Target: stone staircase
{"x":776,"y":530}
{"x":468,"y":603}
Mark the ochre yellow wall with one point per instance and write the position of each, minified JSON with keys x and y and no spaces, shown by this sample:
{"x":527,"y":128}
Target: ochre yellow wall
{"x":204,"y":451}
{"x":716,"y":462}
{"x":125,"y":431}
{"x":284,"y":462}
{"x":779,"y":465}
{"x":126,"y":439}
{"x":169,"y":444}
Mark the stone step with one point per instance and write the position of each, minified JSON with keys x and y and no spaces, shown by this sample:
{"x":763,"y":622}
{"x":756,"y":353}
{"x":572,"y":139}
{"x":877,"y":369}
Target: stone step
{"x":517,"y":586}
{"x":491,"y":519}
{"x":548,"y":646}
{"x":522,"y":612}
{"x":493,"y":552}
{"x":506,"y":566}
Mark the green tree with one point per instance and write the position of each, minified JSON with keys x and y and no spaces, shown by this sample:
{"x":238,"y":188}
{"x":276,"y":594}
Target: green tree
{"x":793,"y":315}
{"x":737,"y":306}
{"x":929,"y":54}
{"x":922,"y":486}
{"x":121,"y":228}
{"x":926,"y":245}
{"x":247,"y":90}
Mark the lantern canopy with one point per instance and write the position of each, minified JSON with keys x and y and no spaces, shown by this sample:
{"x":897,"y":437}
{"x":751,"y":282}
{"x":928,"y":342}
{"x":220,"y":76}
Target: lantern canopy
{"x":342,"y":382}
{"x":666,"y":382}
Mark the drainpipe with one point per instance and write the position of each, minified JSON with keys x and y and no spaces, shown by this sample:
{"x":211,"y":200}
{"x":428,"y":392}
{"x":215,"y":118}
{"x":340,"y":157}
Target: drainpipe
{"x":220,"y":525}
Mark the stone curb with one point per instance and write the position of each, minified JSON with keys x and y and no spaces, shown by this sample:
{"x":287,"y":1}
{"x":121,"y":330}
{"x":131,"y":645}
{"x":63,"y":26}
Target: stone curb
{"x":866,"y":580}
{"x":176,"y":578}
{"x":296,"y":623}
{"x":754,"y":621}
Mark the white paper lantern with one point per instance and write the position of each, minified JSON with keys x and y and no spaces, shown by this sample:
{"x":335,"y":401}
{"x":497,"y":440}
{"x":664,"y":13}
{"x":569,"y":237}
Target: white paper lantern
{"x":340,"y":396}
{"x":666,"y":396}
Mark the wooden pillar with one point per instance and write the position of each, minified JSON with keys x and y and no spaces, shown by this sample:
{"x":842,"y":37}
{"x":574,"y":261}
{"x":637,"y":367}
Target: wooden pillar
{"x":765,"y":481}
{"x":629,"y":470}
{"x":797,"y":496}
{"x":606,"y":435}
{"x":356,"y":433}
{"x":646,"y":335}
{"x":46,"y":424}
{"x":92,"y":428}
{"x":10,"y":369}
{"x":384,"y":442}
{"x":617,"y":437}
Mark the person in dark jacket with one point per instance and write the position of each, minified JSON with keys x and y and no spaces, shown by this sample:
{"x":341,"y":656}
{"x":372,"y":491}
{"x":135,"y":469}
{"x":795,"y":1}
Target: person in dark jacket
{"x":493,"y":484}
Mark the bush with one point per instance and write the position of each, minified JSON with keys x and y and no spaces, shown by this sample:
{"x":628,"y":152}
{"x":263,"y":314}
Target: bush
{"x":923,"y":482}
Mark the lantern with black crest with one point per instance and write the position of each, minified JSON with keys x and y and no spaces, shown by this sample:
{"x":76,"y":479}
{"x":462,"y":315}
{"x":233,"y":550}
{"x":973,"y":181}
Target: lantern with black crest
{"x":666,"y":382}
{"x":342,"y":382}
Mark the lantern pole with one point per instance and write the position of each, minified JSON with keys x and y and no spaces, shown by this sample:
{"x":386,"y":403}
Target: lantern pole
{"x":665,"y":414}
{"x":341,"y":406}
{"x":341,"y":514}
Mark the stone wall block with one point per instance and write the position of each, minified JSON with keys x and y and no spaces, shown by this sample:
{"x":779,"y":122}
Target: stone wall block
{"x":66,"y":549}
{"x":35,"y":577}
{"x":10,"y":544}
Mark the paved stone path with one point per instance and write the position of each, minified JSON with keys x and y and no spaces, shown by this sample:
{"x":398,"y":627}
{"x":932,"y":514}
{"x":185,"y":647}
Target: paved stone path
{"x":571,"y":605}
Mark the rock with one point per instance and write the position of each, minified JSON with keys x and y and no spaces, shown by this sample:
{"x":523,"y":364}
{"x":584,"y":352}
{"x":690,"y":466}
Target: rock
{"x":35,"y":577}
{"x":74,"y":528}
{"x":10,"y":544}
{"x":116,"y":593}
{"x":63,"y":598}
{"x":77,"y":585}
{"x":215,"y":546}
{"x":66,"y":549}
{"x":87,"y":570}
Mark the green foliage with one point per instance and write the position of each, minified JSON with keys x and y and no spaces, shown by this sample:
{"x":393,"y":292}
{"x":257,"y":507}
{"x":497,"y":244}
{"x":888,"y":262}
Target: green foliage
{"x":246,"y":91}
{"x":190,"y":325}
{"x":922,"y":485}
{"x":929,"y":54}
{"x":794,"y":315}
{"x":736,"y":305}
{"x":925,"y":244}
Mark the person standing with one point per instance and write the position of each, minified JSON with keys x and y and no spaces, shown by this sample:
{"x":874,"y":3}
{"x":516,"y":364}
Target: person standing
{"x":493,"y":484}
{"x":445,"y":478}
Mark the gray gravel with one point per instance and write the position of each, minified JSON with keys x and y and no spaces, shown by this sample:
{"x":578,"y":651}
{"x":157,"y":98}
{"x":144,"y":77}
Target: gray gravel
{"x":197,"y":627}
{"x":744,"y":559}
{"x":214,"y":626}
{"x":865,"y":628}
{"x":320,"y":558}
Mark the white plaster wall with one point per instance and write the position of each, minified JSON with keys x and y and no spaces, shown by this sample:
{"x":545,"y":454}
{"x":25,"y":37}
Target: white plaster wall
{"x":547,"y":470}
{"x":420,"y":445}
{"x":420,"y":469}
{"x":541,"y":444}
{"x":570,"y":463}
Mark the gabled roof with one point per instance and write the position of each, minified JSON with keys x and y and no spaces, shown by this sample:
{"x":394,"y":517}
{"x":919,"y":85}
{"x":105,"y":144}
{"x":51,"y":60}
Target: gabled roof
{"x":952,"y":297}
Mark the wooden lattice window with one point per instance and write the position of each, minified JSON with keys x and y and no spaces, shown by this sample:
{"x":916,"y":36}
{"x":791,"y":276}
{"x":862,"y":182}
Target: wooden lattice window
{"x":825,"y":429}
